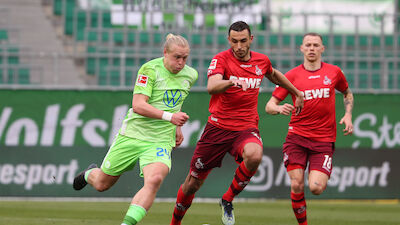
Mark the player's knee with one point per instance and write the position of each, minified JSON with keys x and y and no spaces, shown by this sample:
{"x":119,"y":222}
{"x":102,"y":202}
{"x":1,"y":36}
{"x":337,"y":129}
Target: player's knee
{"x":253,"y":157}
{"x":192,"y":186}
{"x":100,"y":187}
{"x":297,"y":185}
{"x":155,"y":181}
{"x":317,"y":188}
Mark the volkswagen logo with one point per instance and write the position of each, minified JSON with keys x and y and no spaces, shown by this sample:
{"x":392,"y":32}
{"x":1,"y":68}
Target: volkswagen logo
{"x":172,"y":98}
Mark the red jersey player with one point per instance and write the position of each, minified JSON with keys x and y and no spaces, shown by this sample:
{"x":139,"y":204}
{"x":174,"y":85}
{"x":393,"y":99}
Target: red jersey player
{"x":312,"y":134}
{"x":234,"y":78}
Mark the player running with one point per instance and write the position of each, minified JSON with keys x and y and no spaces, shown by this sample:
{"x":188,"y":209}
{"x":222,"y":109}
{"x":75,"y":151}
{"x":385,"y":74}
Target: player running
{"x":312,"y":134}
{"x":234,"y":79}
{"x":150,"y":129}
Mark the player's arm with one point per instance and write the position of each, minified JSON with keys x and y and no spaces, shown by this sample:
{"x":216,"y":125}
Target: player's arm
{"x":216,"y":84}
{"x":272,"y":107}
{"x":179,"y":136}
{"x":348,"y":101}
{"x":141,"y":106}
{"x":278,"y":78}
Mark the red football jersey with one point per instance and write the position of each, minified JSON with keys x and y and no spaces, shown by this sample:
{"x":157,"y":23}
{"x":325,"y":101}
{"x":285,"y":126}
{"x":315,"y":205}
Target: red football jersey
{"x":317,"y":120}
{"x":236,"y":109}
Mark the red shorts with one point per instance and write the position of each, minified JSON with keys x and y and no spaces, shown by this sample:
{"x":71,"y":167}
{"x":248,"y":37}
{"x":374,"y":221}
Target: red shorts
{"x":298,"y":150}
{"x":215,"y":143}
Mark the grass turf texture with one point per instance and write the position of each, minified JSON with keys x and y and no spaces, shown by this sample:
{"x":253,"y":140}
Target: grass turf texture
{"x":320,"y":212}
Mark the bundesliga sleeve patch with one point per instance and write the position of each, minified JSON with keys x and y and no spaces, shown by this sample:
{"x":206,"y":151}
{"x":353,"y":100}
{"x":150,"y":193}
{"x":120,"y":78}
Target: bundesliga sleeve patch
{"x":142,"y":80}
{"x":213,"y":64}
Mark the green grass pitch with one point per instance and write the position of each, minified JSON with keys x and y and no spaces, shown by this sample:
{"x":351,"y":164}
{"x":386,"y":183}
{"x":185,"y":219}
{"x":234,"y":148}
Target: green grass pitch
{"x":278,"y":212}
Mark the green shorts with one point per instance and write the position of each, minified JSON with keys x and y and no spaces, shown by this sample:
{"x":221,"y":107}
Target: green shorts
{"x":125,"y":152}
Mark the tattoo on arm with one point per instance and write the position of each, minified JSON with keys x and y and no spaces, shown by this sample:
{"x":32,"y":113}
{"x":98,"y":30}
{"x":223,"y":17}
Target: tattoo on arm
{"x":348,"y":101}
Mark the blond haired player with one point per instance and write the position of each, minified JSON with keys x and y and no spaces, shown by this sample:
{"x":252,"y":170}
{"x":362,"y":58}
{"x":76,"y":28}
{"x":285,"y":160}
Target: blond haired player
{"x":150,"y":129}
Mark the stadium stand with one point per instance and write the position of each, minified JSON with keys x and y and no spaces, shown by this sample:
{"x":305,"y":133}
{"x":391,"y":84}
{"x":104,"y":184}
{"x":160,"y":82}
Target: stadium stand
{"x":100,"y":52}
{"x":31,"y":54}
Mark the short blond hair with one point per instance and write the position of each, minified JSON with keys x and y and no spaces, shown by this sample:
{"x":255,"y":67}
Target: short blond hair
{"x":175,"y":39}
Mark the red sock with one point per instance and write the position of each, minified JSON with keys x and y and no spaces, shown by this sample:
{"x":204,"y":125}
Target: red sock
{"x":299,"y":207}
{"x":183,"y":203}
{"x":239,"y":182}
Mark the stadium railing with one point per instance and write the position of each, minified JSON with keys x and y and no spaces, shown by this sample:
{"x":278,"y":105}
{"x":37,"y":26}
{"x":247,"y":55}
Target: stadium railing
{"x":109,"y":53}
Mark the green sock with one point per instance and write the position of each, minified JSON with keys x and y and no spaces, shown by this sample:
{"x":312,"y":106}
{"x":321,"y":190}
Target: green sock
{"x":134,"y":214}
{"x":87,"y":174}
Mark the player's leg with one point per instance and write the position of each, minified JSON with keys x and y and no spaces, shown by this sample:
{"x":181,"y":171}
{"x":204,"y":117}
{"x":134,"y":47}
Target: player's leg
{"x":154,"y":174}
{"x":155,"y":163}
{"x":320,"y":166}
{"x":81,"y":180}
{"x":248,"y":147}
{"x":206,"y":156}
{"x":317,"y":181}
{"x":295,"y":159}
{"x":95,"y":177}
{"x":252,"y":156}
{"x":101,"y":181}
{"x":296,"y":174}
{"x":119,"y":158}
{"x":185,"y":197}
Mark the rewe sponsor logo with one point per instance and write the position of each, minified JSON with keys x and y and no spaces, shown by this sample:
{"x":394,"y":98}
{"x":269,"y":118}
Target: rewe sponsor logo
{"x":316,"y":93}
{"x":386,"y":134}
{"x":251,"y":82}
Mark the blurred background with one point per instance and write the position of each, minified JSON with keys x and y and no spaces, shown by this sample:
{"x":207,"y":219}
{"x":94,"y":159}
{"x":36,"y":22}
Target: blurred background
{"x":102,"y":43}
{"x":67,"y":69}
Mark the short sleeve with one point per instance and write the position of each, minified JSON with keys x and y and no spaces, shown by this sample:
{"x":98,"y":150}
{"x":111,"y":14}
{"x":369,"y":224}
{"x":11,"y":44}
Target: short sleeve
{"x":144,"y":81}
{"x":342,"y":83}
{"x":196,"y":76}
{"x":217,"y":66}
{"x":269,"y":66}
{"x":280,"y":93}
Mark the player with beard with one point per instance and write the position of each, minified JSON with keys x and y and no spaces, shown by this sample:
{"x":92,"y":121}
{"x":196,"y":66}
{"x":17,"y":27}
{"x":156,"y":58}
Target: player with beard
{"x":234,"y":78}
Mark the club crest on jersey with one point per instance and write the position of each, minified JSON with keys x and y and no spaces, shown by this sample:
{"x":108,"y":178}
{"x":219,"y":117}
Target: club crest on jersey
{"x":186,"y":84}
{"x":258,"y":71}
{"x":199,"y":164}
{"x":327,"y":81}
{"x":142,"y":80}
{"x":172,"y":97}
{"x":213,"y":64}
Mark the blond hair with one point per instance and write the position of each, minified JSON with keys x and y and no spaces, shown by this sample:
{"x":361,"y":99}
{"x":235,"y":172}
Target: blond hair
{"x":175,"y":39}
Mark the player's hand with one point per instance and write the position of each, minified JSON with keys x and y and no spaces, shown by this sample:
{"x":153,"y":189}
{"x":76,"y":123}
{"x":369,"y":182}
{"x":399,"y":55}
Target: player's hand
{"x":346,"y":120}
{"x":240,"y":84}
{"x":299,"y":104}
{"x":179,"y":118}
{"x":179,"y":136}
{"x":285,"y":109}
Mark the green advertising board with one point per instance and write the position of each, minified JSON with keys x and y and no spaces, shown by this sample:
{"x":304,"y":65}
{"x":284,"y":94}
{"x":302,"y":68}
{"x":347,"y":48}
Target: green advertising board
{"x":47,"y":136}
{"x":49,"y":172}
{"x":50,"y":118}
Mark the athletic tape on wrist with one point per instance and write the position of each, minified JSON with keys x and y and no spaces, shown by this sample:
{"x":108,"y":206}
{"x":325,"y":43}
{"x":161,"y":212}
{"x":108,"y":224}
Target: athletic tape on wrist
{"x":167,"y":116}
